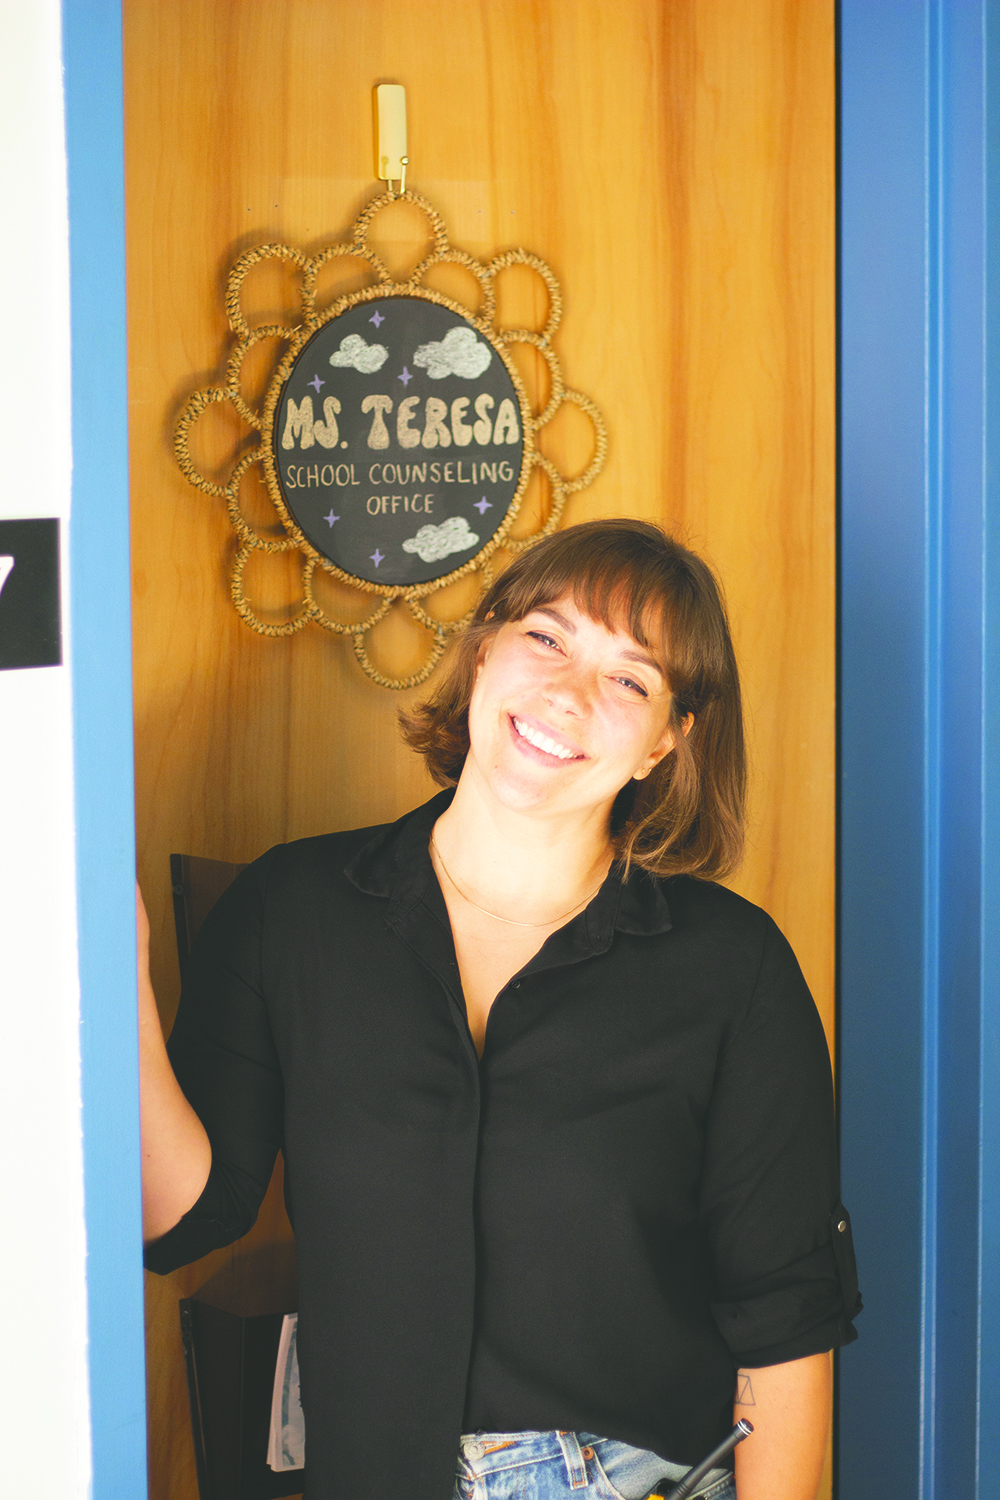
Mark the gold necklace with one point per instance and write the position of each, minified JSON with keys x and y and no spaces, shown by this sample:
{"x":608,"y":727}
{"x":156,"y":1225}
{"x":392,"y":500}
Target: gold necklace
{"x":510,"y":920}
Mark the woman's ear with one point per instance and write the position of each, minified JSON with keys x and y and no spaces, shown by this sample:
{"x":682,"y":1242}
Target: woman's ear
{"x":661,"y":751}
{"x":664,"y":748}
{"x":483,"y":652}
{"x":484,"y":645}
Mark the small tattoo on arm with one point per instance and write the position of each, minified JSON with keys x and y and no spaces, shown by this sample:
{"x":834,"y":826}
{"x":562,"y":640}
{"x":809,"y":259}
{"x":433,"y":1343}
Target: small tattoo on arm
{"x":744,"y":1389}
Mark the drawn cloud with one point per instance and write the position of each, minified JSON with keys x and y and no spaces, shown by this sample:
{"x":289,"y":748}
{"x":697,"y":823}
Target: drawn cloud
{"x":458,"y":353}
{"x":357,"y":355}
{"x":432,"y":543}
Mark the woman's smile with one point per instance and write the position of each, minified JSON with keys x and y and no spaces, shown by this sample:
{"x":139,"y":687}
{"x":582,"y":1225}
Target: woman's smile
{"x":551,"y":746}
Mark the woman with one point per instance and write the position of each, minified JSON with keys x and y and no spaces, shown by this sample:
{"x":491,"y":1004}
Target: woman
{"x":555,"y":1108}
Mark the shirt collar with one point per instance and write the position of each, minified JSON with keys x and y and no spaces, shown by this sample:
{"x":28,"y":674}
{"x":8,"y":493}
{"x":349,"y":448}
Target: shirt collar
{"x":396,"y":865}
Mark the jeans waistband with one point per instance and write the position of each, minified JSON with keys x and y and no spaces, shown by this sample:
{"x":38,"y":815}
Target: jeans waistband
{"x":631,"y":1470}
{"x":489,"y":1452}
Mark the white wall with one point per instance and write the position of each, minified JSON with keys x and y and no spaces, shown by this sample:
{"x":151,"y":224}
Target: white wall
{"x":43,"y":1369}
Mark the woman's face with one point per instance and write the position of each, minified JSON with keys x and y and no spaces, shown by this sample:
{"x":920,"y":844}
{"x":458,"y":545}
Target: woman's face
{"x":564,"y":712}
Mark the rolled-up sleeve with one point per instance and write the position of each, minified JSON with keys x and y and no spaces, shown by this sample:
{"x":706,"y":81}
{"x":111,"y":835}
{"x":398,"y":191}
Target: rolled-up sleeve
{"x":785,"y":1283}
{"x":223,"y":1054}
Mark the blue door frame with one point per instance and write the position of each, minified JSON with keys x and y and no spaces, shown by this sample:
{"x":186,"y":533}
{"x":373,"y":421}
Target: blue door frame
{"x":101,"y":666}
{"x":920,"y":730}
{"x":919,"y":697}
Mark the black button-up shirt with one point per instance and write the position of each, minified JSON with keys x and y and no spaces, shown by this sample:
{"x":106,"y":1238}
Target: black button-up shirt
{"x":630,"y":1194}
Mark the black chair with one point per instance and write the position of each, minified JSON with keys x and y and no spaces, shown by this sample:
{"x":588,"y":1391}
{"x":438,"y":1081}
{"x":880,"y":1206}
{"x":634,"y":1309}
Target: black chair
{"x":197,"y":884}
{"x":231,"y":1327}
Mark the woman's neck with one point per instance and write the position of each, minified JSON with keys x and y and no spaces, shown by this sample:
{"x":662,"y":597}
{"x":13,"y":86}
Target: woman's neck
{"x":520,"y":865}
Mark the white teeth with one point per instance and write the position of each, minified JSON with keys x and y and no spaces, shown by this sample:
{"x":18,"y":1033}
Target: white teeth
{"x":542,"y":741}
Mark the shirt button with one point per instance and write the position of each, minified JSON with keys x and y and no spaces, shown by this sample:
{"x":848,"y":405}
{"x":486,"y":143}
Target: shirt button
{"x":842,"y":1226}
{"x":516,"y":985}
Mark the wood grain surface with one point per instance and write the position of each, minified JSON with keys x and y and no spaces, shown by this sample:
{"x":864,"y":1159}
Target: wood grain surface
{"x":674,"y":163}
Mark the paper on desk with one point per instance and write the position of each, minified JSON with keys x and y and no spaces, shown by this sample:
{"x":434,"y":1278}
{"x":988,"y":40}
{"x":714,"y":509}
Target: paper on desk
{"x":286,"y":1447}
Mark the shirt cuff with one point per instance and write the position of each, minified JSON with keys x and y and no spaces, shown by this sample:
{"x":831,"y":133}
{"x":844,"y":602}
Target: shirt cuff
{"x":805,"y":1308}
{"x":209,"y":1224}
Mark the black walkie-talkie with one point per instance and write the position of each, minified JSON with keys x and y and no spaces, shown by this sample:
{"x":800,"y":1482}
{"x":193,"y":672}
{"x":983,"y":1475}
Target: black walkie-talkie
{"x":694,"y":1476}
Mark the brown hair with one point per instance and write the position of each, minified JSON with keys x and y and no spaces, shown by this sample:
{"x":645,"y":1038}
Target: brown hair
{"x":686,"y":816}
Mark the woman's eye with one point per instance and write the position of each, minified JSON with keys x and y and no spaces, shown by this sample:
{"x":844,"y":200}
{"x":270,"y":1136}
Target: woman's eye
{"x":546,"y":640}
{"x":633,"y":686}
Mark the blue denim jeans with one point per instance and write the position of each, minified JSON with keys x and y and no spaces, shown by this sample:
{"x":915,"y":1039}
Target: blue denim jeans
{"x":567,"y":1466}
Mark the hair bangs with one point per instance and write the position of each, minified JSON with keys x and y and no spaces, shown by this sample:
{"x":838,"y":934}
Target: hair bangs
{"x":627,"y":594}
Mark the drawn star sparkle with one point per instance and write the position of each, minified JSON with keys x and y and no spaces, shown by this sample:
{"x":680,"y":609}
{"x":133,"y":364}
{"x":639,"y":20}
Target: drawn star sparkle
{"x":406,"y":377}
{"x":377,"y":557}
{"x":378,"y":320}
{"x":331,"y":518}
{"x":483,"y":505}
{"x":316,"y":383}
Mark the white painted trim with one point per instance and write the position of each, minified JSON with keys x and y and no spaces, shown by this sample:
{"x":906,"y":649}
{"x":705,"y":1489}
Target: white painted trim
{"x":43,"y":1370}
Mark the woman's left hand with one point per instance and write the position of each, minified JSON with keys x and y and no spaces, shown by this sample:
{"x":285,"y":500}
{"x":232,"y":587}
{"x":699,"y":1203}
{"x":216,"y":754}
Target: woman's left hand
{"x":789,"y":1406}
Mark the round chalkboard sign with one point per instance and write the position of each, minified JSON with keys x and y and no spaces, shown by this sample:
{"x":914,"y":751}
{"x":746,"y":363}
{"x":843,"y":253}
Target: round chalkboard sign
{"x":398,"y":440}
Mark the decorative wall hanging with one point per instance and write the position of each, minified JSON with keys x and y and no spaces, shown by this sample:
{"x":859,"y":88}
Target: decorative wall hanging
{"x":396,"y":437}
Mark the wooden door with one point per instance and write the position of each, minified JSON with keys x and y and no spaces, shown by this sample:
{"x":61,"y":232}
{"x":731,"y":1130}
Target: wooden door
{"x":674,"y":163}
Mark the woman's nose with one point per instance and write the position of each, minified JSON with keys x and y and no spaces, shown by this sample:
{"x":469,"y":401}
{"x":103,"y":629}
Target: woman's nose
{"x":571,"y":689}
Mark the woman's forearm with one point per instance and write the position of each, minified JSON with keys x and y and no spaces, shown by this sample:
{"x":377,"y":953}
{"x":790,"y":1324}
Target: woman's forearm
{"x":176,"y":1155}
{"x":789,"y":1406}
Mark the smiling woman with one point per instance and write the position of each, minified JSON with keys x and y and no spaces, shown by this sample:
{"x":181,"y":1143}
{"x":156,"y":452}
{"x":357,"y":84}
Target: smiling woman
{"x":556,"y":1109}
{"x":625,"y":607}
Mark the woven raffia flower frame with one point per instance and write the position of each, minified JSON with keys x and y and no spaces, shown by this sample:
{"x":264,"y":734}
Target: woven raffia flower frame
{"x":261,"y":453}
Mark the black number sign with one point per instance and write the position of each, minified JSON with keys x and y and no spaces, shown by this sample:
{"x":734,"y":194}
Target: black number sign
{"x":30,"y":633}
{"x":398,"y":440}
